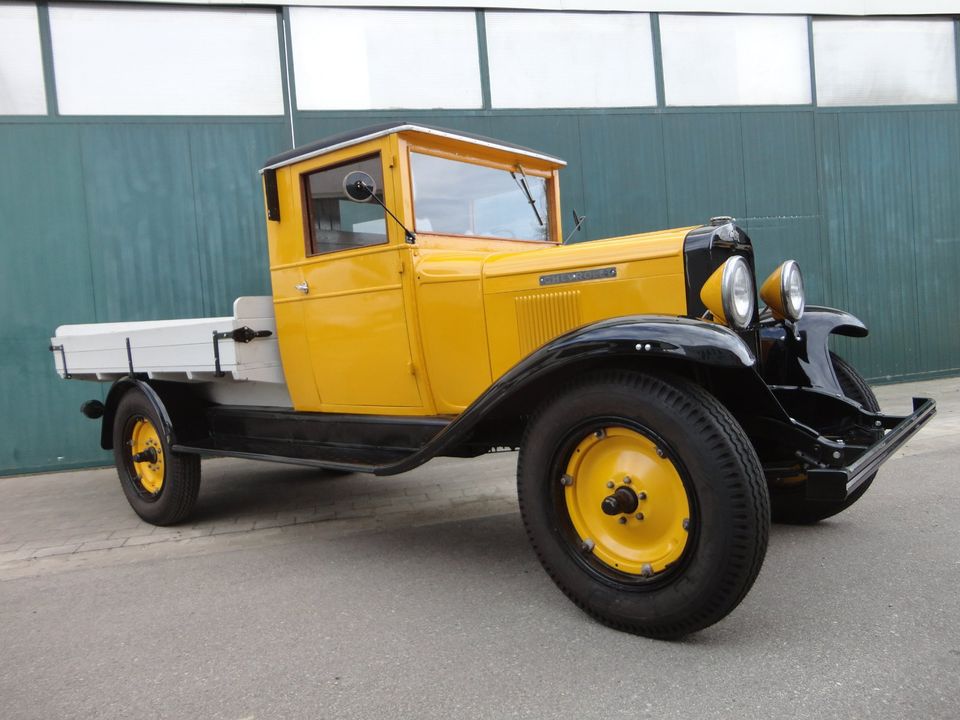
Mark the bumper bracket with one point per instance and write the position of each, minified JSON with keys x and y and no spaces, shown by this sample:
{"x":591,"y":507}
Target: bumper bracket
{"x":837,"y":484}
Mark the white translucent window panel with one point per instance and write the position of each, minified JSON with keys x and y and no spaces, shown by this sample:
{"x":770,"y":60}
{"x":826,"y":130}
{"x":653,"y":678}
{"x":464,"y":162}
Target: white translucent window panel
{"x":545,"y":59}
{"x":884,"y":62}
{"x":165,"y":61}
{"x":377,"y":59}
{"x":735,"y":60}
{"x":21,"y":63}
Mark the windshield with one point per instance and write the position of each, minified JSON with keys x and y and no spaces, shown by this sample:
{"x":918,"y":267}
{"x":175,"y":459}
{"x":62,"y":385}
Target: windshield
{"x":457,"y":198}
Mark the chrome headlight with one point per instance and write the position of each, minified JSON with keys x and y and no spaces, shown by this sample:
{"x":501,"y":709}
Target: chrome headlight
{"x":783,"y":291}
{"x":730,"y":293}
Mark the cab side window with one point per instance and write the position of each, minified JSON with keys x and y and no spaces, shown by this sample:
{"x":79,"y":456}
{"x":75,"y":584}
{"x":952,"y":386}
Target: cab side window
{"x":334,"y":221}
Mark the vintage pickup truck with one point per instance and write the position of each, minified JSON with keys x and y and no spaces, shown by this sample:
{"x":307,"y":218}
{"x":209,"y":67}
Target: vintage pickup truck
{"x":425,"y":304}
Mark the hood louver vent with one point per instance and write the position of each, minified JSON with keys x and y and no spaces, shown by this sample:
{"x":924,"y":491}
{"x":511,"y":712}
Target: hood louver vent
{"x":544,"y":316}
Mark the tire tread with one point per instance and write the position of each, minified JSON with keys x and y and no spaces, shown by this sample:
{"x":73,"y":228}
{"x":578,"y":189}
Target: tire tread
{"x":736,"y":454}
{"x":182,"y":480}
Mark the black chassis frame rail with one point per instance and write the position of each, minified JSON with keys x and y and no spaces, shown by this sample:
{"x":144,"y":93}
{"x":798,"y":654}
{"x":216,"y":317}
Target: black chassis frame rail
{"x":833,"y":484}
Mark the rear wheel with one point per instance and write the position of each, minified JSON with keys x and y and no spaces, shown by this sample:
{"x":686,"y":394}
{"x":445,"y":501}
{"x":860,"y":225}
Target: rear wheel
{"x":644,"y":501}
{"x":161,"y":486}
{"x":789,"y":504}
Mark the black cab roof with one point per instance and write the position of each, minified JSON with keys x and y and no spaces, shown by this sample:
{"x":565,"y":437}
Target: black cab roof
{"x":355,"y":137}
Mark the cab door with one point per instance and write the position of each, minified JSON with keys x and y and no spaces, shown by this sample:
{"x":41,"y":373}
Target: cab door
{"x":352,"y":296}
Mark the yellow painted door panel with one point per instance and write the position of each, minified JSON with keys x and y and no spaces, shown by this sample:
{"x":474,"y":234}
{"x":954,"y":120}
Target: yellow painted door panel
{"x":357,"y":330}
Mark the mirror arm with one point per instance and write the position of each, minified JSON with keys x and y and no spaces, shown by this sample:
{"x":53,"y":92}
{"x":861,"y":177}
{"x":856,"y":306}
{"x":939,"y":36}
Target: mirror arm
{"x":407,"y":235}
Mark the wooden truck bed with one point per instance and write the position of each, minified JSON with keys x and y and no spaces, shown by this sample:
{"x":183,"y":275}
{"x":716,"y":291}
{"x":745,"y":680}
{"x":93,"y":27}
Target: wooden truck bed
{"x":184,"y":350}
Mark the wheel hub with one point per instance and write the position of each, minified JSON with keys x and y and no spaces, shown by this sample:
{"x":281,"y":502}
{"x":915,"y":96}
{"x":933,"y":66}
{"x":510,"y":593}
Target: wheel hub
{"x":626,"y":501}
{"x":147,"y":455}
{"x":623,"y":500}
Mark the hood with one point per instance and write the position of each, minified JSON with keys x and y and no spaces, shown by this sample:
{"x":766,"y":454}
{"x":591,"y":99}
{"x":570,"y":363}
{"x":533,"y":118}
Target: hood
{"x":594,"y":260}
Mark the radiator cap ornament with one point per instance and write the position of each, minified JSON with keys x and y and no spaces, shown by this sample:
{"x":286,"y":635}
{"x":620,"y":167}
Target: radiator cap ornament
{"x":718,"y":220}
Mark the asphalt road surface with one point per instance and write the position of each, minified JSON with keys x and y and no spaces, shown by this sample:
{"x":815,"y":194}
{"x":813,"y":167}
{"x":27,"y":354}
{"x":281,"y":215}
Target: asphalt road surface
{"x":436,"y":607}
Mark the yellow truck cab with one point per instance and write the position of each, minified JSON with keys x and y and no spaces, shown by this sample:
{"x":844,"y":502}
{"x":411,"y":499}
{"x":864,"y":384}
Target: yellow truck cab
{"x":374,"y":320}
{"x":425,"y":303}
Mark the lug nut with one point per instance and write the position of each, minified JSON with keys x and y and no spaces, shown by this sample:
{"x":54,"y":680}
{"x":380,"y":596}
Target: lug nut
{"x":641,"y":495}
{"x":622,"y":520}
{"x":639,"y":516}
{"x":610,"y":483}
{"x":626,"y":480}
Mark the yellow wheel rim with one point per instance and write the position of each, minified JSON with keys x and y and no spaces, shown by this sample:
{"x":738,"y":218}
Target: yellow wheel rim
{"x":618,"y":461}
{"x":145,"y":444}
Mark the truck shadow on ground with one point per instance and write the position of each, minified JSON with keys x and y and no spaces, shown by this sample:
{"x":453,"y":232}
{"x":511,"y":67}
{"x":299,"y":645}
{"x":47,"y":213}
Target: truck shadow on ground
{"x":488,"y":561}
{"x":254,"y":490}
{"x":484,"y":552}
{"x":260,"y":490}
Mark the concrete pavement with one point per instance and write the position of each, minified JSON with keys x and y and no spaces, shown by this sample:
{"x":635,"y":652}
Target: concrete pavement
{"x":300,"y":594}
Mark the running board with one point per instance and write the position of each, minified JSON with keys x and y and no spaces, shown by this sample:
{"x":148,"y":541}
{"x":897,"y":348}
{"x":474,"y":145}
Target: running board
{"x":355,"y":443}
{"x":334,"y":460}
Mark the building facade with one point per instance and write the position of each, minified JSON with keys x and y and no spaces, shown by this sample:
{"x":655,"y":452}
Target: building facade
{"x":131,"y":135}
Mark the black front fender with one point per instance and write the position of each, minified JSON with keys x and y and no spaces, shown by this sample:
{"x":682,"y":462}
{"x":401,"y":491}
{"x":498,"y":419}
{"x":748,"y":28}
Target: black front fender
{"x":799,"y":354}
{"x":704,"y":343}
{"x":633,"y":337}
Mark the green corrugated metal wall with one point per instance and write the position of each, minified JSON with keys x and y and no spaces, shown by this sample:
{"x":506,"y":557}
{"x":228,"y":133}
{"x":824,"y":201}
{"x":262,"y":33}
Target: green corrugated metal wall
{"x":108,"y":221}
{"x":115,"y":219}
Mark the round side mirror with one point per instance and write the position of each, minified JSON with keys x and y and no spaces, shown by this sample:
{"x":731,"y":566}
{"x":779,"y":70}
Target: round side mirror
{"x":359,"y":186}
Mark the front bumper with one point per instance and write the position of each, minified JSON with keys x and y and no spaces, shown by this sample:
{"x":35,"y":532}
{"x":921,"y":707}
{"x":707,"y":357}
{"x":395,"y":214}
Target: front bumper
{"x":833,"y":484}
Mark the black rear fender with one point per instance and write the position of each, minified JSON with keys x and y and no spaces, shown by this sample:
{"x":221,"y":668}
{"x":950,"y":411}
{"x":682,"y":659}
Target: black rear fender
{"x":182,"y":414}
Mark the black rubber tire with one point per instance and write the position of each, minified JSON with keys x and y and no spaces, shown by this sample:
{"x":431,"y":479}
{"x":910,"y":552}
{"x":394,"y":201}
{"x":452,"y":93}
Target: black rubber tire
{"x":181,"y":481}
{"x":730,"y":512}
{"x":789,"y":505}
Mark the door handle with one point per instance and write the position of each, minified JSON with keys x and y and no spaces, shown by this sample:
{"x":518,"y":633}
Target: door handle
{"x":303,"y":287}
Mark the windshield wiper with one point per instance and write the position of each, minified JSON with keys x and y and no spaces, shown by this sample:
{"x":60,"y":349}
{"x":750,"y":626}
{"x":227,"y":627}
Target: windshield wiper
{"x":522,"y":184}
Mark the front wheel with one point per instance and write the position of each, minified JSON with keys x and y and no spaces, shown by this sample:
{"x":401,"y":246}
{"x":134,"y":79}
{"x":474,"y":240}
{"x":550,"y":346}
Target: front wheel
{"x":161,"y":486}
{"x":644,"y":501}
